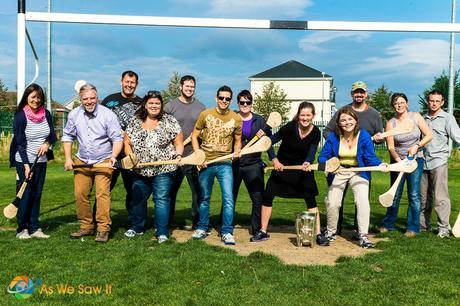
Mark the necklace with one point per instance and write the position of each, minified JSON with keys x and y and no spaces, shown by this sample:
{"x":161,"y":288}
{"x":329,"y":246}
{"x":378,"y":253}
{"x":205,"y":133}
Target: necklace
{"x":303,"y":134}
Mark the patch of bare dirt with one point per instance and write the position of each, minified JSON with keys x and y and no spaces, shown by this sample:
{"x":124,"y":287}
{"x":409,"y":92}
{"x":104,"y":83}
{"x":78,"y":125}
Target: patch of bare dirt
{"x":282,"y":243}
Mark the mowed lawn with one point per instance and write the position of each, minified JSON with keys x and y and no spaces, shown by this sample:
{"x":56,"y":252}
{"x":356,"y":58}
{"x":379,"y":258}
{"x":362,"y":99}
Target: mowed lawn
{"x":420,"y":271}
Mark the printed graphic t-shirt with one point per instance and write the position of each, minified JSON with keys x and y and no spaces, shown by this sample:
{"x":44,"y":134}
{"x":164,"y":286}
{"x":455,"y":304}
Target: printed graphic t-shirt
{"x":218,"y":131}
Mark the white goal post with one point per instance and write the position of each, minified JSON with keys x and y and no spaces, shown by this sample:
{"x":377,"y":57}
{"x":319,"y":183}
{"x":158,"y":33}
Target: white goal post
{"x":24,"y":16}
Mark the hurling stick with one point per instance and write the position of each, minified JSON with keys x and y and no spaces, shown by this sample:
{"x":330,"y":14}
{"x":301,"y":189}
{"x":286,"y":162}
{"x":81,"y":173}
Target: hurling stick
{"x":456,"y":228}
{"x":187,"y":140}
{"x":330,"y":165}
{"x":262,"y":145}
{"x":406,"y":166}
{"x":400,"y":129}
{"x":127,"y":162}
{"x":274,"y":120}
{"x":196,"y":158}
{"x":387,"y":198}
{"x":11,"y":209}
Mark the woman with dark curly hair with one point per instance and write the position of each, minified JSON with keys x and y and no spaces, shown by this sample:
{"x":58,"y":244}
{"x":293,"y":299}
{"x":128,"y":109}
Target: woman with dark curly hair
{"x":153,"y":135}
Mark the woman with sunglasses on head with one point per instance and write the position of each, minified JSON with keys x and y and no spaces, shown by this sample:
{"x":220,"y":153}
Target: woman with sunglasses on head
{"x":401,"y":146}
{"x":33,"y":136}
{"x":250,"y":168}
{"x":300,"y":139}
{"x":153,"y":135}
{"x":354,"y":148}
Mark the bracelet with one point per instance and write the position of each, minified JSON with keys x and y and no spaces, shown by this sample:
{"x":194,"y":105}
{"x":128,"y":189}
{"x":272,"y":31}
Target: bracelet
{"x":177,"y":155}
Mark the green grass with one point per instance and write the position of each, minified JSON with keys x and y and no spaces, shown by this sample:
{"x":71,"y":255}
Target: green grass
{"x":420,"y":271}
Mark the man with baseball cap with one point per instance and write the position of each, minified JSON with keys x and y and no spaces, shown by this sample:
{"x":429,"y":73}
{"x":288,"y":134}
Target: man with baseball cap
{"x":369,"y":119}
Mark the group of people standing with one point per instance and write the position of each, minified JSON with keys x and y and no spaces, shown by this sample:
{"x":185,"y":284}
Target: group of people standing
{"x":124,"y":123}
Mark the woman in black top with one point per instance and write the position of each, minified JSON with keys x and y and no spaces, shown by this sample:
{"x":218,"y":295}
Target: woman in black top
{"x":300,"y":139}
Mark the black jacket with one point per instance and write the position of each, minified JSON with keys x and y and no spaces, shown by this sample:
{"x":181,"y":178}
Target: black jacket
{"x":258,"y":123}
{"x":19,"y":142}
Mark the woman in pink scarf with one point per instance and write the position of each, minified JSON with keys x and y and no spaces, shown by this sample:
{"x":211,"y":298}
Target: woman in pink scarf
{"x":33,"y":135}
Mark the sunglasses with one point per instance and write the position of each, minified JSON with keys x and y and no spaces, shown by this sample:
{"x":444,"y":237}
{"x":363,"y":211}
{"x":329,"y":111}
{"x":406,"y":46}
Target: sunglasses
{"x":245,"y":102}
{"x":224,"y":99}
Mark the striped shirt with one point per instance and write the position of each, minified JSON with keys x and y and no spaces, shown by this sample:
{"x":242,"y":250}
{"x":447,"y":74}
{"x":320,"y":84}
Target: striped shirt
{"x":36,"y":134}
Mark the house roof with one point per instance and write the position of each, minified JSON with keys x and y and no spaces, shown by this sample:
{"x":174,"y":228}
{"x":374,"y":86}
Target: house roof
{"x":289,"y":70}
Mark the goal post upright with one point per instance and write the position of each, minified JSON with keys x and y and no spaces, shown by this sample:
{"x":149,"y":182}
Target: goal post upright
{"x":21,"y":49}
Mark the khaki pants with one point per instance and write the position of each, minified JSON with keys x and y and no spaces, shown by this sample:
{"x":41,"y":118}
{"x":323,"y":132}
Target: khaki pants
{"x":434,"y":192}
{"x":84,"y":179}
{"x":360,"y":188}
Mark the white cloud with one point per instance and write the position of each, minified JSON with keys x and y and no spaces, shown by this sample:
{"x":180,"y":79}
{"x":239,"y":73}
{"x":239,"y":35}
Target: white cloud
{"x":416,"y":58}
{"x":313,"y":42}
{"x":264,"y":9}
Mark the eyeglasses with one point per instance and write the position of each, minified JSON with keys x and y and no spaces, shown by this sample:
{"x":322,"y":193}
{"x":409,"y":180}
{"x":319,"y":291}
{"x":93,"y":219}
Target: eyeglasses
{"x":224,"y":99}
{"x":245,"y":102}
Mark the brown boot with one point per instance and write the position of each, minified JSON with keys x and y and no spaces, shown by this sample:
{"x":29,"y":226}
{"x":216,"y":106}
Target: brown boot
{"x":102,"y":237}
{"x":82,"y":232}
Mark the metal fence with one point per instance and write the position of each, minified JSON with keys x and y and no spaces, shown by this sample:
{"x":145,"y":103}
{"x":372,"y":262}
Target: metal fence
{"x":6,"y":122}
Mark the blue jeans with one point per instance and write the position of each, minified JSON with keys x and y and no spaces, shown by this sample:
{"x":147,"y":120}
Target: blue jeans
{"x":224,"y":174}
{"x":29,"y":206}
{"x":143,"y":187}
{"x":413,"y":195}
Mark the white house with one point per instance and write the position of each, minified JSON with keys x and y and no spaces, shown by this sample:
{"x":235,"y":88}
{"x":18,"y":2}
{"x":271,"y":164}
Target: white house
{"x":300,"y":83}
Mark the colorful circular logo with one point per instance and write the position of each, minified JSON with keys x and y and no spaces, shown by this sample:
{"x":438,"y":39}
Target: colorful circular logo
{"x":22,"y":287}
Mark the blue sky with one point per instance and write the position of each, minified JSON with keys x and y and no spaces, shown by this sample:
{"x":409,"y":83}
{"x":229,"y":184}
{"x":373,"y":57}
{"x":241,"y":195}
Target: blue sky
{"x":406,"y":62}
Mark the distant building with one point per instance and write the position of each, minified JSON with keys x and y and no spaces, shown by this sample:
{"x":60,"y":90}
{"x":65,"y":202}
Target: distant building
{"x":299,"y":83}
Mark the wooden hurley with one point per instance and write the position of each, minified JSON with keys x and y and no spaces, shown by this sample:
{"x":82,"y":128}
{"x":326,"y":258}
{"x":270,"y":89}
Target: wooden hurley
{"x":406,"y":166}
{"x":387,"y":198}
{"x":404,"y":128}
{"x":10,"y":211}
{"x":262,"y":145}
{"x":330,"y":165}
{"x":274,"y":120}
{"x":127,"y":162}
{"x":456,"y":228}
{"x":187,"y":140}
{"x":196,"y":158}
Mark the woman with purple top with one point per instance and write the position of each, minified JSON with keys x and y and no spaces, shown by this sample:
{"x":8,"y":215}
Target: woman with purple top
{"x":400,"y":146}
{"x":250,"y":168}
{"x":33,"y":135}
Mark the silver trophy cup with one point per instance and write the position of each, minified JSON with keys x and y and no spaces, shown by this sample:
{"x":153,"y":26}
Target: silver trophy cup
{"x":305,"y":225}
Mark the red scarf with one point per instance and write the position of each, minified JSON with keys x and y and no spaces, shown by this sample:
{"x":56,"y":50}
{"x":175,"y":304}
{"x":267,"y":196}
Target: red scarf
{"x":36,"y":117}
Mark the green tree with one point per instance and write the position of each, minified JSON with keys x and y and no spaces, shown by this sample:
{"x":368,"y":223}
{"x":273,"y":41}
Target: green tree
{"x":4,"y":103}
{"x":272,"y":99}
{"x":442,"y":83}
{"x":173,"y":90}
{"x":380,"y":100}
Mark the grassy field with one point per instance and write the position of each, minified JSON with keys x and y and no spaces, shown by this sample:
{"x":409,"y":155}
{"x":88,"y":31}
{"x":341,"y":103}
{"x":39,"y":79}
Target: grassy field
{"x":420,"y":271}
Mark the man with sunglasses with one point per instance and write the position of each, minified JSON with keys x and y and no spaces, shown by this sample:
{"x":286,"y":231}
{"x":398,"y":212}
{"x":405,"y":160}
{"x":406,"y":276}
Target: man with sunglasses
{"x":124,"y":104}
{"x":220,"y":130}
{"x":186,"y":109}
{"x":250,"y":168}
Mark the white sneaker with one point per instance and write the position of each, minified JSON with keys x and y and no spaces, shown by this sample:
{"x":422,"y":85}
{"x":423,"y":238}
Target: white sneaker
{"x":199,"y":234}
{"x":162,"y":238}
{"x":132,"y":233}
{"x":39,"y":234}
{"x":443,"y":234}
{"x":228,"y":239}
{"x":23,"y":235}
